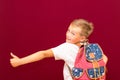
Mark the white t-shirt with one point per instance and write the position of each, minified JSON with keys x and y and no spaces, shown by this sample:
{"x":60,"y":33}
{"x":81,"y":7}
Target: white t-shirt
{"x":66,"y":52}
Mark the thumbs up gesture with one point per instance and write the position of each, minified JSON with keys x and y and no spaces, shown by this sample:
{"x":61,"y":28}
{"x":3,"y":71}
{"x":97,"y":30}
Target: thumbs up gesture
{"x":14,"y":61}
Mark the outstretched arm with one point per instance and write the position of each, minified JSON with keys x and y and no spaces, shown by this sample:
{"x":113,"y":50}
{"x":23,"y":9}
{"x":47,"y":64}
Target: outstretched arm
{"x":16,"y":61}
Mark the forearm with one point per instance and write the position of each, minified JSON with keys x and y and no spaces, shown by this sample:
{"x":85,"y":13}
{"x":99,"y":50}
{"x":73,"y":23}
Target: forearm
{"x":32,"y":58}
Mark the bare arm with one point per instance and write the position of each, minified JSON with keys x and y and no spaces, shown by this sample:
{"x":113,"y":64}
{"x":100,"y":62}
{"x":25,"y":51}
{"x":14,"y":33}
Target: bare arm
{"x":16,"y":61}
{"x":105,"y":59}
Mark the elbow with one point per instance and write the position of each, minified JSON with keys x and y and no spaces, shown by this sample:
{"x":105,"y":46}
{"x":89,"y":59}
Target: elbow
{"x":48,"y":53}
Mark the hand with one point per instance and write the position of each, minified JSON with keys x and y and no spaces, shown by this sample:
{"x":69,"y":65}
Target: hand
{"x":14,"y":61}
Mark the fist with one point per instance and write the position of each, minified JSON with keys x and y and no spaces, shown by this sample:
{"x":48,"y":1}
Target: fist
{"x":14,"y":61}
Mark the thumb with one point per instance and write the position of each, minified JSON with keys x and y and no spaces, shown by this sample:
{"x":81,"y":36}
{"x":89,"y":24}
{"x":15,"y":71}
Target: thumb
{"x":14,"y":56}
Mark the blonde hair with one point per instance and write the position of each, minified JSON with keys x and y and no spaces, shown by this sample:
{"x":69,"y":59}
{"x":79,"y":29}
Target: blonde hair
{"x":87,"y":27}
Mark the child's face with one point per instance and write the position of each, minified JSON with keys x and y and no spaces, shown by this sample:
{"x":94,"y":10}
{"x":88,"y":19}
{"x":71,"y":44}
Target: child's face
{"x":73,"y":35}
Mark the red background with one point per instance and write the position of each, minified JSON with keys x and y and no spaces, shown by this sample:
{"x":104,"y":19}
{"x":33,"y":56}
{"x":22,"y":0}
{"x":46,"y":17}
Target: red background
{"x":27,"y":26}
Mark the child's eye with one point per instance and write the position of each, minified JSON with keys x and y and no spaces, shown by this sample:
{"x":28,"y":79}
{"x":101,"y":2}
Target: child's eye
{"x":73,"y":33}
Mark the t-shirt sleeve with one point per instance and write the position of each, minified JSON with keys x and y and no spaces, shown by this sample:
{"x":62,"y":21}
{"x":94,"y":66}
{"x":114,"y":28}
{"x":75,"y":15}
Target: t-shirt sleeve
{"x":63,"y":51}
{"x":60,"y":51}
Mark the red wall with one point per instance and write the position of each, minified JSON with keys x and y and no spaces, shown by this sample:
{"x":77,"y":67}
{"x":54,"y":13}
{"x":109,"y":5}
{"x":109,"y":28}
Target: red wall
{"x":27,"y":26}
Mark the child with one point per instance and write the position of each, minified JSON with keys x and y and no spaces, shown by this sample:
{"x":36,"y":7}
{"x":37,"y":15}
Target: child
{"x":76,"y":38}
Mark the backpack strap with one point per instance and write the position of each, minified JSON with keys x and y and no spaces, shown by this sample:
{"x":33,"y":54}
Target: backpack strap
{"x":79,"y":55}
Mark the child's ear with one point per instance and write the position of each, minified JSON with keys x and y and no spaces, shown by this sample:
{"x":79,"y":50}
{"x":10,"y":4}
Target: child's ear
{"x":83,"y":38}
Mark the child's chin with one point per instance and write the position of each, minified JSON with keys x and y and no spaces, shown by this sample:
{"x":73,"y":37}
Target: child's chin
{"x":68,"y":41}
